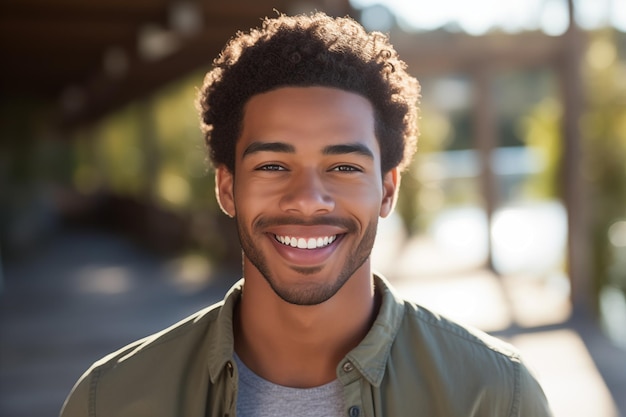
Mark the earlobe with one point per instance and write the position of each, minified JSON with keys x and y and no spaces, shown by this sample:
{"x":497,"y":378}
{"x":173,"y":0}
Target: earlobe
{"x":391,"y":185}
{"x":224,"y":190}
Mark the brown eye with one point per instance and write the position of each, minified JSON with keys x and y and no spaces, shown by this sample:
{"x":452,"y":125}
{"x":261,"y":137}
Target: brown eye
{"x":346,"y":168}
{"x":271,"y":167}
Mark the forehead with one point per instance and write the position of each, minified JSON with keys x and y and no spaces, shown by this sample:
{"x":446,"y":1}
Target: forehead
{"x":308,"y":116}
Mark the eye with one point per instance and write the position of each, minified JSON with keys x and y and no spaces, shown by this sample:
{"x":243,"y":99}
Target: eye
{"x":271,"y":167}
{"x":346,"y":168}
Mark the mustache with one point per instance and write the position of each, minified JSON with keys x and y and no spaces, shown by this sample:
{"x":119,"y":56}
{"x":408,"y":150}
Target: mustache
{"x":349,"y":224}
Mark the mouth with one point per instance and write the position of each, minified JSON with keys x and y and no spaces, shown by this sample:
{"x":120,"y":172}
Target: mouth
{"x":306,"y":243}
{"x":306,"y":246}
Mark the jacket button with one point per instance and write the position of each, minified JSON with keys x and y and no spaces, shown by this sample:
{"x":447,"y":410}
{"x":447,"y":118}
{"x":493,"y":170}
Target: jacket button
{"x":229,"y":366}
{"x":354,"y":411}
{"x":348,"y":367}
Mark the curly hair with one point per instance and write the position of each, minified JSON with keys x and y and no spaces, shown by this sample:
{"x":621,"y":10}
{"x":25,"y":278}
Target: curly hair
{"x":310,"y":50}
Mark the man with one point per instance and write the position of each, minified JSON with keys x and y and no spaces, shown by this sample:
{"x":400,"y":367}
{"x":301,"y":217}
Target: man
{"x":309,"y":121}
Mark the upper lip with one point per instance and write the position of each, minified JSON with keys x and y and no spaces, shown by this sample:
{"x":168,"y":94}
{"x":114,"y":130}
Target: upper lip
{"x":306,"y":232}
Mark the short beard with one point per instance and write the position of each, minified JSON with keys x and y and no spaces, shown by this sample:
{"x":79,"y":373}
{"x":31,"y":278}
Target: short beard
{"x":313,"y":293}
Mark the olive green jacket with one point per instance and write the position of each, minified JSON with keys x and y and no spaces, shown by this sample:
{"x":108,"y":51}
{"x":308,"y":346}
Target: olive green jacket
{"x":411,"y":363}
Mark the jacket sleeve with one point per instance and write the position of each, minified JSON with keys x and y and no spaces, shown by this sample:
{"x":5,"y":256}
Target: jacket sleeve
{"x":77,"y":403}
{"x":532,"y":401}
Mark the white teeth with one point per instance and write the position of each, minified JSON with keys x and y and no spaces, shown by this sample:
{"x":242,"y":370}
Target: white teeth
{"x":302,"y":243}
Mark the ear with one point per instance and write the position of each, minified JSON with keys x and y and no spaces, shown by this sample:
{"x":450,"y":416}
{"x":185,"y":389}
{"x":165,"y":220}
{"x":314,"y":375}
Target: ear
{"x":224,"y":181}
{"x":391,"y":185}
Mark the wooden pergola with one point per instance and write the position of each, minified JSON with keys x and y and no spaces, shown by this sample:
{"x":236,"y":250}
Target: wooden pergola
{"x":94,"y":56}
{"x":480,"y":58}
{"x":88,"y":58}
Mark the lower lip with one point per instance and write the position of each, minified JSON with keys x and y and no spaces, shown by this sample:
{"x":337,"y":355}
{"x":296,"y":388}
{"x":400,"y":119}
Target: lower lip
{"x":305,"y":257}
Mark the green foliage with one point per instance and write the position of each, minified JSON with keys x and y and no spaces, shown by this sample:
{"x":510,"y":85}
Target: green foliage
{"x":436,"y":133}
{"x":604,"y":130}
{"x":152,"y":152}
{"x":151,"y":149}
{"x":542,"y":134}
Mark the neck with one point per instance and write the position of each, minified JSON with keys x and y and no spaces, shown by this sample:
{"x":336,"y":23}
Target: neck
{"x":301,"y":346}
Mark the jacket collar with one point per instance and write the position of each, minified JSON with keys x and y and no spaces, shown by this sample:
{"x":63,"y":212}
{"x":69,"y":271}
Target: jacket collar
{"x":369,"y":357}
{"x":221,"y":339}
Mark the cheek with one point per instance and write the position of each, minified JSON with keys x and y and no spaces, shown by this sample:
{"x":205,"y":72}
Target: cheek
{"x":363,"y":189}
{"x":252,"y":197}
{"x":365,"y":197}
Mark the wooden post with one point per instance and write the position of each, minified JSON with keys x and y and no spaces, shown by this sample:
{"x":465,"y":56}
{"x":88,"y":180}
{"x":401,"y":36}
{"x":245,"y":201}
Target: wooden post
{"x":574,"y":190}
{"x":485,"y":140}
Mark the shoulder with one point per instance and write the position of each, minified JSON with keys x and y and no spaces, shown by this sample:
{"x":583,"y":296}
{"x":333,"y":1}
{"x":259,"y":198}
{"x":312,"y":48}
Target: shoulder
{"x":426,"y":363}
{"x":176,"y":340}
{"x":150,"y":370}
{"x":213,"y":323}
{"x":183,"y":334}
{"x":450,"y":342}
{"x":457,"y":355}
{"x":415,"y":328}
{"x":438,"y":329}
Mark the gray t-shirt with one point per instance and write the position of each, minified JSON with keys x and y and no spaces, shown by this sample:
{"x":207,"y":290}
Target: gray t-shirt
{"x":260,"y":398}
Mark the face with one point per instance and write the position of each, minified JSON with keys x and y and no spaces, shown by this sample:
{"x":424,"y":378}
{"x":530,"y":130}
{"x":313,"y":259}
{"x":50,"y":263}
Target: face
{"x":307,"y":190}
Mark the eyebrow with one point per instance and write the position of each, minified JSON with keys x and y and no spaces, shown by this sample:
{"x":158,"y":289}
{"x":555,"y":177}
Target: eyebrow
{"x":342,"y":149}
{"x":348,"y":148}
{"x":256,"y":147}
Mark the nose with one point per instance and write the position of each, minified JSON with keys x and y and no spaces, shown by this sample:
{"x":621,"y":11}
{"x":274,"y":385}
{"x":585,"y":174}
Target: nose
{"x":306,"y":195}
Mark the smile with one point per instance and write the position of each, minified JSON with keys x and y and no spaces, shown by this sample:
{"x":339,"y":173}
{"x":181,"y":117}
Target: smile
{"x":306,"y":243}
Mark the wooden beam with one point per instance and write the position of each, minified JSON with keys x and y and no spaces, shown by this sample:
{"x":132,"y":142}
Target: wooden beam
{"x":81,"y":8}
{"x":104,"y":93}
{"x":444,"y":53}
{"x":70,"y":38}
{"x":63,"y":34}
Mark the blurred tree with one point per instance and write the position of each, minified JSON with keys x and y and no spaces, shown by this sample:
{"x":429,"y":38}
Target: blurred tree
{"x":418,"y":198}
{"x":604,"y":134}
{"x":147,"y":162}
{"x":32,"y":161}
{"x":604,"y":130}
{"x":542,"y":133}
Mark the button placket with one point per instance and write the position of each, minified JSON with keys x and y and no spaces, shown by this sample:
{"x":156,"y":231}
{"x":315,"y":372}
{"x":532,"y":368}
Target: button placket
{"x":354,"y":411}
{"x":352,"y":390}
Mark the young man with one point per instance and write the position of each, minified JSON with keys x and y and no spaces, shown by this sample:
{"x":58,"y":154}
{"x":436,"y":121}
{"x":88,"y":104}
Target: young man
{"x":309,"y":121}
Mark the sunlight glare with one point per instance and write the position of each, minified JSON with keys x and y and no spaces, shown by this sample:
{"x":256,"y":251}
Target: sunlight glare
{"x":617,"y":234}
{"x":479,"y":16}
{"x":592,"y":14}
{"x":529,"y":239}
{"x":105,"y":280}
{"x":618,"y":14}
{"x":601,"y":54}
{"x":554,"y":18}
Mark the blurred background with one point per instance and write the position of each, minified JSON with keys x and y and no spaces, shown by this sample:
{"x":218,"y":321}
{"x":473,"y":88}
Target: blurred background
{"x":512,"y":217}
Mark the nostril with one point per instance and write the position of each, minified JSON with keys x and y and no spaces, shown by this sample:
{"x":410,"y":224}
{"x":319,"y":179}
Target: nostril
{"x":307,"y":196}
